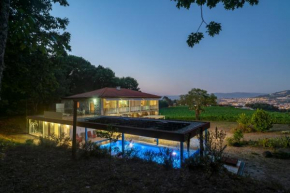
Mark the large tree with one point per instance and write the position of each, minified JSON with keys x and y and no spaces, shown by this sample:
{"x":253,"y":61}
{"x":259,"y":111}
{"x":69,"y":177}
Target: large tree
{"x":197,"y":99}
{"x":31,"y":27}
{"x":213,"y":28}
{"x":4,"y":14}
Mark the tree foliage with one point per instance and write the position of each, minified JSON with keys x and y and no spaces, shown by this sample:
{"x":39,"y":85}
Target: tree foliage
{"x":213,"y":28}
{"x":197,"y":99}
{"x":261,"y":120}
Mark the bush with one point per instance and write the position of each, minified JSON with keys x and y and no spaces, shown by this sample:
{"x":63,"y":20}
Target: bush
{"x":54,"y":141}
{"x":29,"y":141}
{"x":90,"y":149}
{"x":261,"y":120}
{"x":244,"y":123}
{"x":211,"y":161}
{"x":282,"y":142}
{"x":236,"y":139}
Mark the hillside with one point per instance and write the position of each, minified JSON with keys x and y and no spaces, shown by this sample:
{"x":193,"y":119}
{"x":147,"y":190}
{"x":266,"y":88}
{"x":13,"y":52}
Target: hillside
{"x":285,"y":93}
{"x":237,"y":95}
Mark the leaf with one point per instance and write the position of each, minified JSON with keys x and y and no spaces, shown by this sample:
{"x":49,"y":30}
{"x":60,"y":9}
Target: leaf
{"x":213,"y":28}
{"x":194,"y":38}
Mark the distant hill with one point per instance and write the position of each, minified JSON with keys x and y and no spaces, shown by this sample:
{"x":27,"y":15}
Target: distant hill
{"x":238,"y":95}
{"x":227,"y":95}
{"x":285,"y":93}
{"x":173,"y":97}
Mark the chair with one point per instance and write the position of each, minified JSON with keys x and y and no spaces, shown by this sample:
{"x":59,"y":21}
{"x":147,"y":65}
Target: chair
{"x":90,"y":135}
{"x":78,"y":138}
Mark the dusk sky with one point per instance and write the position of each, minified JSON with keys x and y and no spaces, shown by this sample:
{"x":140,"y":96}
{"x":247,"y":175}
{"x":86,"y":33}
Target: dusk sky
{"x":147,"y":40}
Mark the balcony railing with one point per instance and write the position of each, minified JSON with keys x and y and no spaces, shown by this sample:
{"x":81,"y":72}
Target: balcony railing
{"x":134,"y":109}
{"x":129,"y":109}
{"x":110,"y":111}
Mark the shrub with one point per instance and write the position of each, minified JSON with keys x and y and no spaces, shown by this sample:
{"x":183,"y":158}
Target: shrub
{"x":90,"y":149}
{"x":131,"y":153}
{"x":150,"y":155}
{"x":54,"y":141}
{"x":261,"y":120}
{"x":244,"y":123}
{"x":167,"y":157}
{"x":236,"y":139}
{"x":29,"y":141}
{"x":282,"y":142}
{"x":211,"y":161}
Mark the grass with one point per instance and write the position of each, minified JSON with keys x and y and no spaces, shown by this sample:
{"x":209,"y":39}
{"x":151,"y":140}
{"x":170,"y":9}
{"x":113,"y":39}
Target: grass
{"x":217,"y":113}
{"x":30,"y":168}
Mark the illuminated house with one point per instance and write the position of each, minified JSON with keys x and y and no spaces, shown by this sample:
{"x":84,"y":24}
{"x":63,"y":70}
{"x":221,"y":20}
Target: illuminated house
{"x":112,"y":102}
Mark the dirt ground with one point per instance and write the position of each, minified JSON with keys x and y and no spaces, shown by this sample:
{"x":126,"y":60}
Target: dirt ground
{"x":257,"y":166}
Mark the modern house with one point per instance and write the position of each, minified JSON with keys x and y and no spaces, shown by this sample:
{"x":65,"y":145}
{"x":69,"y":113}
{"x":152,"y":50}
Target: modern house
{"x":112,"y":102}
{"x":133,"y":113}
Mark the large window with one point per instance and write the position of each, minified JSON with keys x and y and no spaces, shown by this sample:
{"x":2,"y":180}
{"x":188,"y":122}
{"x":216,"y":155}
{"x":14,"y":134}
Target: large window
{"x":123,"y":103}
{"x":108,"y":104}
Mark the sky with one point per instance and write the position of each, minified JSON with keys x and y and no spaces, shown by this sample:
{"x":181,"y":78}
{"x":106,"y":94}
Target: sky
{"x":146,"y":39}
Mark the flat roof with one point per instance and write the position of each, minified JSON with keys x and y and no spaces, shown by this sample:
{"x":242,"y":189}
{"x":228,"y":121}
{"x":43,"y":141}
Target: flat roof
{"x":113,"y":93}
{"x":162,"y":129}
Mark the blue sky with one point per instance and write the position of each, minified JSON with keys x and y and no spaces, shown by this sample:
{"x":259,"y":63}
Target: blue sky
{"x":147,"y":40}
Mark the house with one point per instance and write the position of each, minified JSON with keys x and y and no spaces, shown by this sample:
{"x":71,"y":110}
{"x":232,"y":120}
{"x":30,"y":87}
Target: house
{"x":115,"y":107}
{"x":112,"y":102}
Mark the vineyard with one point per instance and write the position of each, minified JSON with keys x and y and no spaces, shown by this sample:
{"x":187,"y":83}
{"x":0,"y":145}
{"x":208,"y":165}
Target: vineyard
{"x":216,"y":113}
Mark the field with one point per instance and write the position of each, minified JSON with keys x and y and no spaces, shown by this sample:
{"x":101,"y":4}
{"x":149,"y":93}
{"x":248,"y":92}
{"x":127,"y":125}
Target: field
{"x":217,"y":113}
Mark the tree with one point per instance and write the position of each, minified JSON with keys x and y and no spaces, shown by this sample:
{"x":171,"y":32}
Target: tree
{"x":110,"y":134}
{"x":197,"y":99}
{"x":32,"y":28}
{"x":127,"y":82}
{"x":4,"y":15}
{"x":212,"y":27}
{"x":261,"y":120}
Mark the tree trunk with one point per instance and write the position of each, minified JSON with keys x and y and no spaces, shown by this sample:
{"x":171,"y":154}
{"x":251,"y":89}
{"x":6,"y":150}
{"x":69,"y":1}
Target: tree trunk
{"x":4,"y":14}
{"x":197,"y":112}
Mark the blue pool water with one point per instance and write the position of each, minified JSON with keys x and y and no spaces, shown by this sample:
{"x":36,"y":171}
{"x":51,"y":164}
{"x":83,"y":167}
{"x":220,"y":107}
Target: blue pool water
{"x":141,"y":148}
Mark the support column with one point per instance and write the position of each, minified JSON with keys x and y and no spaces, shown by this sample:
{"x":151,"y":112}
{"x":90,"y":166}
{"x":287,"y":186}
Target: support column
{"x":205,"y":136}
{"x":123,"y":143}
{"x":188,"y":145}
{"x":74,"y":140}
{"x":86,"y":134}
{"x":157,"y":141}
{"x":181,"y":153}
{"x":201,"y":143}
{"x":117,"y":106}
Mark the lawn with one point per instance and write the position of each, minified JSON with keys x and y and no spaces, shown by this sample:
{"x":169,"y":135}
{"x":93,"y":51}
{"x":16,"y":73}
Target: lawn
{"x":217,"y":113}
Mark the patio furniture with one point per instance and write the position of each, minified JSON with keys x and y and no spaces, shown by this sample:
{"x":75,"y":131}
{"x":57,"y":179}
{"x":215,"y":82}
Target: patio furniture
{"x":90,"y":135}
{"x":79,"y":139}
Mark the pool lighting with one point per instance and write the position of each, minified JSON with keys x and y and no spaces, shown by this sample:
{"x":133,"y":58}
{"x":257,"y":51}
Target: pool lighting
{"x":131,"y":145}
{"x":174,"y":153}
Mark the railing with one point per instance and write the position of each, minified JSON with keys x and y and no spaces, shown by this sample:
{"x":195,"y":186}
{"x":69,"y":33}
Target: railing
{"x":145,"y":108}
{"x":123,"y":109}
{"x":130,"y":109}
{"x":110,"y":111}
{"x":134,"y":109}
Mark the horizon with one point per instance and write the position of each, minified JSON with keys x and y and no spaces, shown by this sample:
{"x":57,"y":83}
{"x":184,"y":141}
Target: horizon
{"x":148,"y":43}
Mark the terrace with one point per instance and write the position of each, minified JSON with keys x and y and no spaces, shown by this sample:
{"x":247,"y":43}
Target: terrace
{"x":147,"y":134}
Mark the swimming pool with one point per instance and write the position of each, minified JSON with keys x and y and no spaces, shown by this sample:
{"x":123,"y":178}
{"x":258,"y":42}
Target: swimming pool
{"x":143,"y":150}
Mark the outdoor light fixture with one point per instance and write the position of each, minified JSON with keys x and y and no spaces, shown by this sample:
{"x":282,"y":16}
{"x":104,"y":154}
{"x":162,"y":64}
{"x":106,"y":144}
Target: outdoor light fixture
{"x":131,"y":145}
{"x":95,"y":101}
